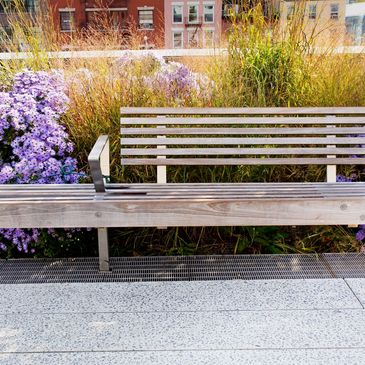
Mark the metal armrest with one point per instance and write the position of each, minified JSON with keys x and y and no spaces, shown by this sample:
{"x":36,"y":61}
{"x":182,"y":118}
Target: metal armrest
{"x":99,"y":163}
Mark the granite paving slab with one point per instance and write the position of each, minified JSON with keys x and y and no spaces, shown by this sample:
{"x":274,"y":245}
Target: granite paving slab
{"x":177,"y":296}
{"x":220,"y":330}
{"x":357,"y":286}
{"x":230,"y":357}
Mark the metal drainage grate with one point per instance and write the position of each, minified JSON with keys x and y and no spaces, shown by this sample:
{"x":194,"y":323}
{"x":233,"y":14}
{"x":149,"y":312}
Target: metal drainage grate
{"x":349,"y":265}
{"x":126,"y":269}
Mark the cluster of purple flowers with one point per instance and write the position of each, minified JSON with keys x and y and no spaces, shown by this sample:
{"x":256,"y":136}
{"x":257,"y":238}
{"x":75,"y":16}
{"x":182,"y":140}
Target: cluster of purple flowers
{"x":34,"y":147}
{"x":179,"y":82}
{"x":173,"y":81}
{"x":360,"y":234}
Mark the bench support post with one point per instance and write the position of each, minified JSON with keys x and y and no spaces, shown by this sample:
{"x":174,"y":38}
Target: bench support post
{"x":103,"y":249}
{"x":99,"y":161}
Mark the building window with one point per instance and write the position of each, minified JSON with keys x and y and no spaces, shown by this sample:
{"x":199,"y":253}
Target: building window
{"x":193,"y":38}
{"x":67,"y":21}
{"x":145,"y":19}
{"x":31,"y":5}
{"x":334,"y":11}
{"x":209,"y":13}
{"x":209,"y":38}
{"x":177,"y":38}
{"x":177,"y":11}
{"x":193,"y":13}
{"x":290,"y":12}
{"x":312,"y":11}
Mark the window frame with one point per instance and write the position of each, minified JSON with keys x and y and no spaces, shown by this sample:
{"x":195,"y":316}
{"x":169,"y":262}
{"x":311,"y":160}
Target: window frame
{"x":70,"y":21}
{"x":196,"y":39}
{"x":212,"y":13}
{"x":182,"y":13}
{"x":197,"y":13}
{"x":212,"y":39}
{"x":144,"y":21}
{"x":290,"y":10}
{"x":312,"y":15}
{"x":175,"y":32}
{"x":334,"y":15}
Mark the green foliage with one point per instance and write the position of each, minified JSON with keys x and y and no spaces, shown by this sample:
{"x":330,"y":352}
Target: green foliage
{"x":267,"y":71}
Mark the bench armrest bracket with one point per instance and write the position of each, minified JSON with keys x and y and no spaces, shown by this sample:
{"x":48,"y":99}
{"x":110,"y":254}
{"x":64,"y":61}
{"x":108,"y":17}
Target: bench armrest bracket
{"x":99,"y":162}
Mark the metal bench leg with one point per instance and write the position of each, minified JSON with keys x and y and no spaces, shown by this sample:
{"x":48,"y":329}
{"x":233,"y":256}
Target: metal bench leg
{"x":103,"y":249}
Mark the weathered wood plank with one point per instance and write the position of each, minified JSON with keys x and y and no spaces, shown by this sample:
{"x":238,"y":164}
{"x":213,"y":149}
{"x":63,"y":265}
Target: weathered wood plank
{"x":242,"y":131}
{"x":241,"y":161}
{"x":243,"y":151}
{"x":53,"y":187}
{"x":244,"y":111}
{"x":241,"y":141}
{"x":195,"y":212}
{"x":322,"y":120}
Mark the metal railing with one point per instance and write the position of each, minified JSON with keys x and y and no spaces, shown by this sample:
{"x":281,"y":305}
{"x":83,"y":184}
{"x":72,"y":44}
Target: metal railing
{"x":166,"y":53}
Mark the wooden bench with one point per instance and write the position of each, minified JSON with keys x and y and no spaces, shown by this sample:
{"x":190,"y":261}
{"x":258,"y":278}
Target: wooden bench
{"x":209,"y":137}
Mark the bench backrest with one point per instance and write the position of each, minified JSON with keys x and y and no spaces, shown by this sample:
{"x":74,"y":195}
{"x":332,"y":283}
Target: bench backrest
{"x":243,"y":136}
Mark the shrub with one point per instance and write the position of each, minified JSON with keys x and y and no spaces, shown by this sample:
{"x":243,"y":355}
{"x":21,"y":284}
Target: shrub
{"x":34,"y":146}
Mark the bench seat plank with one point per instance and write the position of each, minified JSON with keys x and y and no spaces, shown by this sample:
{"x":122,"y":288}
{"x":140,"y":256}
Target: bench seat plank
{"x":243,"y":151}
{"x":195,"y":211}
{"x":355,"y":120}
{"x":243,"y":141}
{"x":242,"y":131}
{"x":243,"y":111}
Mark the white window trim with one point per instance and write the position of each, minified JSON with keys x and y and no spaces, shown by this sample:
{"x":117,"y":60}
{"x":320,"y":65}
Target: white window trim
{"x":338,"y":11}
{"x":193,"y":31}
{"x":146,"y":21}
{"x":315,"y":13}
{"x":213,"y":13}
{"x":205,"y":34}
{"x":182,"y":38}
{"x":182,"y":13}
{"x":67,"y":10}
{"x":106,"y":9}
{"x":146,"y":8}
{"x":197,"y":13}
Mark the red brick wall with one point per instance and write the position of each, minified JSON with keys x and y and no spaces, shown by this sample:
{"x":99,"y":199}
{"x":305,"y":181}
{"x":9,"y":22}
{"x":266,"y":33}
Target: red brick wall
{"x":154,"y":36}
{"x":78,"y":5}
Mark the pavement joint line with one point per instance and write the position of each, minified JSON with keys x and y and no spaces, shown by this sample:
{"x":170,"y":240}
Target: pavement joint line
{"x":185,"y":350}
{"x":187,"y":311}
{"x":349,"y":286}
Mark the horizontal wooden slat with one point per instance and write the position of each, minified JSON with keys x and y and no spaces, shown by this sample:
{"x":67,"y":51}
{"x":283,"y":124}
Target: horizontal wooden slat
{"x":241,"y":161}
{"x":241,"y":120}
{"x":42,"y":187}
{"x":163,"y":191}
{"x":180,"y":212}
{"x":243,"y":131}
{"x":241,"y":151}
{"x":244,"y":111}
{"x":242,"y":141}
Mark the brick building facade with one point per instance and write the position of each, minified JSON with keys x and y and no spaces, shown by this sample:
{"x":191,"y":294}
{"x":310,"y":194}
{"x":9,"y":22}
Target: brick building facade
{"x":192,"y":23}
{"x":144,"y":16}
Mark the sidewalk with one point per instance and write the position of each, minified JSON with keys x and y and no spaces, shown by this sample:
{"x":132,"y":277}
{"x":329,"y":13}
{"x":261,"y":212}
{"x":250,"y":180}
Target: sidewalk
{"x":301,"y":321}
